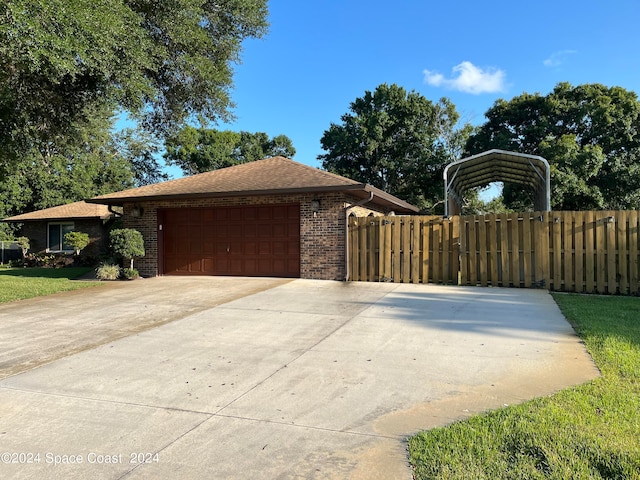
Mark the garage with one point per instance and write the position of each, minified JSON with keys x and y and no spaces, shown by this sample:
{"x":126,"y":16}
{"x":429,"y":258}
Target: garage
{"x":253,"y":241}
{"x":272,"y":217}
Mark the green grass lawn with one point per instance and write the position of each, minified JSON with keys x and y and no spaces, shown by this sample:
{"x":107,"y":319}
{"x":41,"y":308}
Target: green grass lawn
{"x":21,"y":283}
{"x":588,"y":432}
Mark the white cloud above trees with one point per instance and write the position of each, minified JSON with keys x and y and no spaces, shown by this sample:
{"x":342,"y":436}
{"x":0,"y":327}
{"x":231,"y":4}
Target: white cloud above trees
{"x":468,"y":78}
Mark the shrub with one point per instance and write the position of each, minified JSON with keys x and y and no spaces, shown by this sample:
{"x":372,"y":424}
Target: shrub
{"x":130,"y":273}
{"x":78,"y":240}
{"x":23,"y":243}
{"x":52,"y":260}
{"x":127,"y":243}
{"x":108,"y":271}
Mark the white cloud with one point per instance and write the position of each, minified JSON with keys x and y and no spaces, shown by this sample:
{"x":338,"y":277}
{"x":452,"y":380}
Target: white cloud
{"x":469,"y":78}
{"x":558,"y":58}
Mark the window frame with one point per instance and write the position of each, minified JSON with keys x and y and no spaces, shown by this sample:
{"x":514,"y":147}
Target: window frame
{"x":60,"y":240}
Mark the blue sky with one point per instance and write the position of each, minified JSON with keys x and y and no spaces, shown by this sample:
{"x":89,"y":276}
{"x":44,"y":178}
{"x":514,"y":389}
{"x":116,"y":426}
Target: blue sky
{"x":319,"y":56}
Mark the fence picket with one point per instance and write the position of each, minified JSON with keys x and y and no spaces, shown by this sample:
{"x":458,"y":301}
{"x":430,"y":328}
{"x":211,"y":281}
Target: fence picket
{"x":611,"y":253}
{"x":483,"y":248}
{"x":454,"y":261}
{"x":514,"y":239}
{"x":406,"y":250}
{"x":472,"y":256}
{"x":415,"y":250}
{"x":578,"y":256}
{"x":527,"y":259}
{"x":622,"y":260}
{"x":493,"y":249}
{"x":590,"y":253}
{"x":426,"y":249}
{"x":568,"y":250}
{"x":436,"y":246}
{"x":633,"y":252}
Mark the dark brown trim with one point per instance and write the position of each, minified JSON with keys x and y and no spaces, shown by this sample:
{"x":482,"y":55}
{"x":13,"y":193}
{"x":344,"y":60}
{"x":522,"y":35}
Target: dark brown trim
{"x":160,"y":243}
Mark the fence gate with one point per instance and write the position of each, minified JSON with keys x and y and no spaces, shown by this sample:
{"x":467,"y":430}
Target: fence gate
{"x":591,"y":252}
{"x":409,"y":249}
{"x":9,"y":251}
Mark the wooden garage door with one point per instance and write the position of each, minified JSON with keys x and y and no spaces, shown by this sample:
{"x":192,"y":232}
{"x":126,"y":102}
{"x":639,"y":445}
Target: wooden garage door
{"x":261,"y":240}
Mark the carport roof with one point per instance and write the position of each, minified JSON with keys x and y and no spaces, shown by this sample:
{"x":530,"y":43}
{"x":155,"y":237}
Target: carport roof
{"x":76,"y":210}
{"x":276,"y":175}
{"x":499,"y":166}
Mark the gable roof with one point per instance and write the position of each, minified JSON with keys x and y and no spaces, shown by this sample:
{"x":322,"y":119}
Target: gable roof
{"x":70,"y":211}
{"x":275,"y":175}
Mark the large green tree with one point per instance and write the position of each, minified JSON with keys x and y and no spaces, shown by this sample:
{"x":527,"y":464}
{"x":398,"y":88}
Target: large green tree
{"x":163,"y":60}
{"x":397,"y":141}
{"x":198,"y":150}
{"x":66,"y":66}
{"x":89,"y":161}
{"x":590,"y":134}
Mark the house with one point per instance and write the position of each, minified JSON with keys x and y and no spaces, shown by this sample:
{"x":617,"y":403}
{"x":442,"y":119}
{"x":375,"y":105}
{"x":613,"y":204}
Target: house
{"x":46,"y":228}
{"x":272,"y":217}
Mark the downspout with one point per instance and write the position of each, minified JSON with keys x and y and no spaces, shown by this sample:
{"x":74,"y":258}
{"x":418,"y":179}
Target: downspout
{"x":346,"y":233}
{"x":115,"y":214}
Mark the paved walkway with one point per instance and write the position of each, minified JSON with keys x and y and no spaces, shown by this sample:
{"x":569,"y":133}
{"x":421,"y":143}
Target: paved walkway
{"x":295,"y":379}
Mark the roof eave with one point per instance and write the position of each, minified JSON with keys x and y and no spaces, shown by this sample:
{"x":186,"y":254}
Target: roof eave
{"x":53,"y":219}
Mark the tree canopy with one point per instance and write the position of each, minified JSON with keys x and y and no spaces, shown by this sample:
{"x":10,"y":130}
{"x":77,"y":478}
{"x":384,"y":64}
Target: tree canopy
{"x":590,"y":134}
{"x":68,"y":66}
{"x":198,"y":150}
{"x":89,"y":161}
{"x":397,"y":141}
{"x":163,"y":60}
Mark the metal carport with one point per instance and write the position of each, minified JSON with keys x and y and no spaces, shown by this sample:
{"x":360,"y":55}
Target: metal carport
{"x":497,"y":166}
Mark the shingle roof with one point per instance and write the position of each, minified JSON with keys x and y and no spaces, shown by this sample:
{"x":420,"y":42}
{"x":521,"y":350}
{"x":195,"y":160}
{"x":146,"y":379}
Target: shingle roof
{"x":271,"y":175}
{"x":75,"y":210}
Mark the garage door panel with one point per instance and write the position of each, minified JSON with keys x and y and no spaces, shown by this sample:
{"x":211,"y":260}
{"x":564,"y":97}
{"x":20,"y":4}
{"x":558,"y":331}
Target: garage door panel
{"x":265,"y":213}
{"x":208,"y":216}
{"x":195,"y":247}
{"x":279,"y":248}
{"x":219,"y":214}
{"x":250,"y":213}
{"x":264,"y":248}
{"x":263,"y":230}
{"x":278,"y":230}
{"x":249,"y":248}
{"x":235,"y":266}
{"x":194,"y":215}
{"x":293,"y":231}
{"x":195,"y":265}
{"x":208,"y":248}
{"x":249,"y":230}
{"x":261,"y":240}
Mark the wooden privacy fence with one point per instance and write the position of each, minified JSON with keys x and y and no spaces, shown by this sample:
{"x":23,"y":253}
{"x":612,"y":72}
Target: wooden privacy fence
{"x":591,"y":252}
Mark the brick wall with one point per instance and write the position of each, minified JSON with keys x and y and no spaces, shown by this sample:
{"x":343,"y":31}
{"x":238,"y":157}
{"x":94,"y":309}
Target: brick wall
{"x":322,"y":235}
{"x":37,"y":233}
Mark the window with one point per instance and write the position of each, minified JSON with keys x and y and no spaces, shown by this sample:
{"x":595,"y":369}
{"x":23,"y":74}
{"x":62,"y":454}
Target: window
{"x":56,"y":233}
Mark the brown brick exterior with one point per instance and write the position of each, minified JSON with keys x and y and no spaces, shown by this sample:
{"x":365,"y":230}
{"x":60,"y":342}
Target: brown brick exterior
{"x":37,"y":232}
{"x":322,"y":236}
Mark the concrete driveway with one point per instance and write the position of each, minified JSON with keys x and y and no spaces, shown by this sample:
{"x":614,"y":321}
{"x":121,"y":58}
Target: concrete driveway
{"x":227,"y":378}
